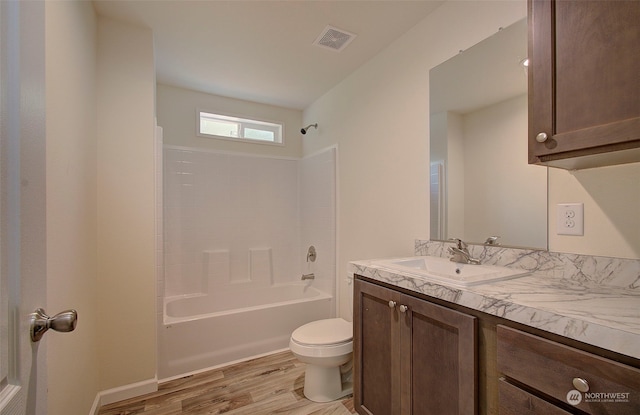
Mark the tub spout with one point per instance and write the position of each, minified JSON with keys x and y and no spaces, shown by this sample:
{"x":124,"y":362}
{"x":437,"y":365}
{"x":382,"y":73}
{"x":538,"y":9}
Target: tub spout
{"x":308,"y":276}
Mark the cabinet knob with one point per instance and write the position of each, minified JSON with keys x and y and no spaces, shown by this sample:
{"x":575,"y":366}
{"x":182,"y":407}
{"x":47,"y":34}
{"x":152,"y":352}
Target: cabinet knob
{"x":541,"y":137}
{"x":581,"y":385}
{"x":392,"y":304}
{"x":403,"y":308}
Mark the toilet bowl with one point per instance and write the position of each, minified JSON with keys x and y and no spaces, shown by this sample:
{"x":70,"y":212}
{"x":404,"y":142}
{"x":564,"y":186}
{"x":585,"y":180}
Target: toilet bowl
{"x":326,"y":346}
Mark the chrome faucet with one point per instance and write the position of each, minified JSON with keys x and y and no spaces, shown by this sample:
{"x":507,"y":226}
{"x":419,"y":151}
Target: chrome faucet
{"x":308,"y":276}
{"x":460,"y":253}
{"x":492,"y":240}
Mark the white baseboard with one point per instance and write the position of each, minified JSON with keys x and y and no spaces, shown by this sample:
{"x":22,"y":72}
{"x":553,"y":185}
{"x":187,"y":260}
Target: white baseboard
{"x":121,"y":393}
{"x":96,"y":405}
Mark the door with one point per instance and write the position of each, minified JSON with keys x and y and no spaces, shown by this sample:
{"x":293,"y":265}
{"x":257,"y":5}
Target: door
{"x":22,"y":206}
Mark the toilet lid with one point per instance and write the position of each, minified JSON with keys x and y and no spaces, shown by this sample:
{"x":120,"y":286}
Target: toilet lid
{"x":324,"y":332}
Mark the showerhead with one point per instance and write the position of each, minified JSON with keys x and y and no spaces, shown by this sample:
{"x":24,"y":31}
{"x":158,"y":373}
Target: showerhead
{"x":304,"y":130}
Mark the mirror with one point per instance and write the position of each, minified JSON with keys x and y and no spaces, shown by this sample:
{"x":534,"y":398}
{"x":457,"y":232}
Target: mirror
{"x":481,"y":182}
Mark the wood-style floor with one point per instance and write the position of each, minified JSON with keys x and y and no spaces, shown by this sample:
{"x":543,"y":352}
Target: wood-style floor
{"x":267,"y":385}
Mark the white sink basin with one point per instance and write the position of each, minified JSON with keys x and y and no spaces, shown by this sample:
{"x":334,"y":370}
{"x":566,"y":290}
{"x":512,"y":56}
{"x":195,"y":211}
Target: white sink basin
{"x":443,"y":270}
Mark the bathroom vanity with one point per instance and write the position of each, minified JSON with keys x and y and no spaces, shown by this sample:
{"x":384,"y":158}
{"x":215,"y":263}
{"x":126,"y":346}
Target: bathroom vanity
{"x":544,"y":343}
{"x":413,"y":356}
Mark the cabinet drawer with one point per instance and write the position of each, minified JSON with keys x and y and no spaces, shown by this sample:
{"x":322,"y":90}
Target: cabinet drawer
{"x":550,"y":367}
{"x":515,"y":401}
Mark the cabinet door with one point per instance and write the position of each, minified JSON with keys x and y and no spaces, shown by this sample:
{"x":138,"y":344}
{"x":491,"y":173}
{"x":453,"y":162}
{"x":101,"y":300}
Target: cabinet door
{"x":439,"y":359}
{"x":584,"y":88}
{"x":376,"y":342}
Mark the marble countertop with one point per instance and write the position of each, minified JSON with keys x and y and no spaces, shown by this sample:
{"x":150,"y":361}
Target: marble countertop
{"x":599,"y":315}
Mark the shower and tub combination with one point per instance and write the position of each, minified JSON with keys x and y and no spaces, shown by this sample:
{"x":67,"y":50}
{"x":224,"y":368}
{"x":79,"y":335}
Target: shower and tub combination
{"x":238,"y":276}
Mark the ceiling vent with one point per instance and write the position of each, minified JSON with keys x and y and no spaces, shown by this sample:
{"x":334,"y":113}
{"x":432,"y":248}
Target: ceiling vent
{"x":334,"y":38}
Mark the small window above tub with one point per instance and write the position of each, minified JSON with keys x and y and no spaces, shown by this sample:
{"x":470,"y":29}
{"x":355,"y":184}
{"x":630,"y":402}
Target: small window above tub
{"x":239,"y":129}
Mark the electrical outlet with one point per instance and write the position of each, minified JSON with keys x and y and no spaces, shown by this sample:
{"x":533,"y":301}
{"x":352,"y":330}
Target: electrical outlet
{"x":570,"y":219}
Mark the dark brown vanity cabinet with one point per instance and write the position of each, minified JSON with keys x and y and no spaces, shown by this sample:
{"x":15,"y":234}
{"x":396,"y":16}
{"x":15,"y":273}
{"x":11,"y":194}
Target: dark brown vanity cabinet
{"x":543,"y":377}
{"x":584,"y":82}
{"x":411,"y":356}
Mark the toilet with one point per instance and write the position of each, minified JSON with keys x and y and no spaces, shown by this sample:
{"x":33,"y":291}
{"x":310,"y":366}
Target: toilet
{"x":326,"y":346}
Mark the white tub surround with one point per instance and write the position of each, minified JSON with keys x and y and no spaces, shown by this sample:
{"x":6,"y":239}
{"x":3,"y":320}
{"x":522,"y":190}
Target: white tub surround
{"x":236,"y":232}
{"x":594,"y":300}
{"x":206,"y":331}
{"x":235,"y":219}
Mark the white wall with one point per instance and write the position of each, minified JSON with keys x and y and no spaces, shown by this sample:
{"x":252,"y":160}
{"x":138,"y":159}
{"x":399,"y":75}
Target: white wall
{"x":126,"y":204}
{"x":71,"y":36}
{"x":177,"y":116}
{"x":380,"y":118}
{"x":611,"y":197}
{"x":100,"y":239}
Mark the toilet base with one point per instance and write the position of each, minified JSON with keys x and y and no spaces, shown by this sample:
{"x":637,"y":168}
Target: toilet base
{"x":325,"y":384}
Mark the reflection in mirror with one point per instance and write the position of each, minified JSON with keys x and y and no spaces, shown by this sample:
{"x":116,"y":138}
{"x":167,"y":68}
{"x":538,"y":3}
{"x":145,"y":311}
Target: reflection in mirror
{"x":481,"y":182}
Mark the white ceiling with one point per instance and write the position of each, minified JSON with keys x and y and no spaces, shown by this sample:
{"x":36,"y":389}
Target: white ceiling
{"x":263,"y":51}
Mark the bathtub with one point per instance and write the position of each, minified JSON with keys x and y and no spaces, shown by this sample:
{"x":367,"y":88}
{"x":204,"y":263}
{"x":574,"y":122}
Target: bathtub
{"x":201,"y":332}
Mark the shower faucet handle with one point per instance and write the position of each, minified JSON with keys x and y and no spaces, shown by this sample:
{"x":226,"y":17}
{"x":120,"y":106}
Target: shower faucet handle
{"x":311,"y":254}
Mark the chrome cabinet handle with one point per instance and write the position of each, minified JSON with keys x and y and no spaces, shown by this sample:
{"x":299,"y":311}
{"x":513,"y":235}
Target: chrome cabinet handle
{"x":403,"y":308}
{"x":392,"y":304}
{"x":541,"y":137}
{"x":40,"y":322}
{"x":581,"y":384}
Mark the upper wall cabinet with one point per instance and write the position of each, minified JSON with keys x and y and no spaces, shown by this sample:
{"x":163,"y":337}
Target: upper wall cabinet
{"x":584,"y":83}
